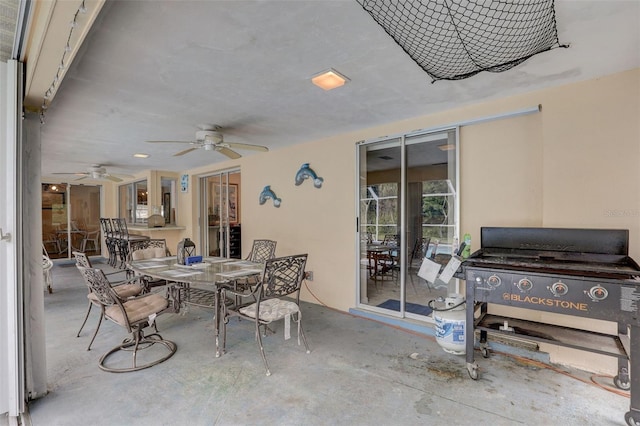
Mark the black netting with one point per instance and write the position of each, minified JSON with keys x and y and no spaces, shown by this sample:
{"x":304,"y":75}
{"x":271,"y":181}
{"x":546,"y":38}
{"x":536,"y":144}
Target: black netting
{"x":456,"y":39}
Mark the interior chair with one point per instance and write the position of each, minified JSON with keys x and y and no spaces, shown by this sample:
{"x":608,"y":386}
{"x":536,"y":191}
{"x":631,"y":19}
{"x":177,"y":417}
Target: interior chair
{"x":124,"y":289}
{"x":54,"y":242}
{"x":110,"y":239}
{"x":93,"y":238}
{"x":391,"y":240}
{"x":388,"y":262}
{"x":134,"y":315}
{"x":47,"y":264}
{"x":262,"y":250}
{"x":419,"y":249}
{"x":281,"y":277}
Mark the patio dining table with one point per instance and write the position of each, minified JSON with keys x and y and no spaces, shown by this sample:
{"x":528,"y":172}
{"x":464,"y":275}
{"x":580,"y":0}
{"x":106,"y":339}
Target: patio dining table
{"x":380,"y":259}
{"x":199,"y":284}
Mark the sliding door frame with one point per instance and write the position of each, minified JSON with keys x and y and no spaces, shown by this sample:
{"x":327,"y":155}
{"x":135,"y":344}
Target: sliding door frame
{"x":361,"y":298}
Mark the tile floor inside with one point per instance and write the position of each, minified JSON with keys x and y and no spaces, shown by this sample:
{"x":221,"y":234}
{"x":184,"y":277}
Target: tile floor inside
{"x":359,"y":372}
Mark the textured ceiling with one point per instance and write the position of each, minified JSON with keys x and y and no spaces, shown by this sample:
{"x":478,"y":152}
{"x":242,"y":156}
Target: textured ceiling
{"x":155,"y":70}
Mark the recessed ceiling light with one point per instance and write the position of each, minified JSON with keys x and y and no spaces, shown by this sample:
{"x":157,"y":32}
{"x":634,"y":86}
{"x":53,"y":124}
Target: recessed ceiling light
{"x":447,"y":147}
{"x":329,"y":79}
{"x":139,"y":155}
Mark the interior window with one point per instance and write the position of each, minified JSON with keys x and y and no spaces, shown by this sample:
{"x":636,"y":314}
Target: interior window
{"x":132,"y":201}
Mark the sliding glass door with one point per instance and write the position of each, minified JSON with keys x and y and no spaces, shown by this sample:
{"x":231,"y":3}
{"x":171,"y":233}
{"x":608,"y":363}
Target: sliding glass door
{"x":408,"y":210}
{"x":221,"y":227}
{"x":70,"y":219}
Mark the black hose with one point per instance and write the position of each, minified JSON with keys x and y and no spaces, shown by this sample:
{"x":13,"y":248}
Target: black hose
{"x":430,"y":304}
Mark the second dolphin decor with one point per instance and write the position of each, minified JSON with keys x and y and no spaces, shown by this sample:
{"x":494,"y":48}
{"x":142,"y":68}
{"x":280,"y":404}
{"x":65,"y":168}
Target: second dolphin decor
{"x":306,"y":172}
{"x":267,"y":193}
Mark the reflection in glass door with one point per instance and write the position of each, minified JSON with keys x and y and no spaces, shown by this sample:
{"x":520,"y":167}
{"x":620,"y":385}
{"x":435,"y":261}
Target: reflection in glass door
{"x":407,"y":211}
{"x":71,"y":219}
{"x":220,"y":200}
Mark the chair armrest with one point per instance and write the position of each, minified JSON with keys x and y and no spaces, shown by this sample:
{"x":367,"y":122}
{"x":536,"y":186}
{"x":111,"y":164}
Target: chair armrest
{"x":127,"y":281}
{"x":115,"y":272}
{"x":247,"y":289}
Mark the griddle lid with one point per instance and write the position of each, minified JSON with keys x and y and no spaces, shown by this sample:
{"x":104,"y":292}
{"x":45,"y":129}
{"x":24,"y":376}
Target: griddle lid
{"x":601,"y":241}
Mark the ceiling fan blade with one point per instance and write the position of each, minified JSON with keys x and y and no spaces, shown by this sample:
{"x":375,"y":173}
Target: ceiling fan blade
{"x":170,"y":142}
{"x":228,"y":152}
{"x":177,"y":154}
{"x":70,"y":173}
{"x":112,"y":178}
{"x":247,"y":146}
{"x":80,"y":178}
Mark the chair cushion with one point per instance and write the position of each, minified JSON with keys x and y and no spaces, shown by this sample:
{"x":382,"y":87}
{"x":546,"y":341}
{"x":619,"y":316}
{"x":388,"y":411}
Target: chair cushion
{"x":137,"y":309}
{"x":271,"y":309}
{"x":148,"y":253}
{"x":125,"y":291}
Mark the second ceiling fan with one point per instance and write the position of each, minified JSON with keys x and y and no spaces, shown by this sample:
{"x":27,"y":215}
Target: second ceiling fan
{"x":210,"y":138}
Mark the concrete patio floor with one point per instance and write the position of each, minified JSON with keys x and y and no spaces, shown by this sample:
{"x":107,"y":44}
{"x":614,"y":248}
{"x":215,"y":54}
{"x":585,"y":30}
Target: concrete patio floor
{"x":359,"y":372}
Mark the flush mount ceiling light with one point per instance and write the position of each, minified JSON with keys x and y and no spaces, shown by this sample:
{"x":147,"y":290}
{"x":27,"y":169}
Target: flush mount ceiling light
{"x":447,"y":147}
{"x":139,"y":155}
{"x":329,"y":79}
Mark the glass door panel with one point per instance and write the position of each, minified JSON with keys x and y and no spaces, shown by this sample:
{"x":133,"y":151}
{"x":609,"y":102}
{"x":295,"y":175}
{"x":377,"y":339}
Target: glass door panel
{"x":220,"y":199}
{"x":431,"y":181}
{"x":54,"y":219}
{"x":380,"y":242}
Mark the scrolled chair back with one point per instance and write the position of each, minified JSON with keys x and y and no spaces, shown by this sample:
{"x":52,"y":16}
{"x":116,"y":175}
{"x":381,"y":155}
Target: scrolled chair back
{"x":283,"y":276}
{"x":107,"y":227}
{"x":148,"y":249}
{"x":262,"y":250}
{"x":99,"y":285}
{"x":82,"y":259}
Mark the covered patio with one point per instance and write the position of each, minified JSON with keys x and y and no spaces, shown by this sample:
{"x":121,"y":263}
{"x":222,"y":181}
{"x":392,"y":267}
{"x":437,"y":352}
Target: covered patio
{"x":358,"y":372}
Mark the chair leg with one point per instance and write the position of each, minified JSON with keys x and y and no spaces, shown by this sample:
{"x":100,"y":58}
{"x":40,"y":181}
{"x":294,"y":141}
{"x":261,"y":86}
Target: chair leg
{"x":301,"y":333}
{"x":264,"y":357}
{"x":95,"y":333}
{"x":85,"y":319}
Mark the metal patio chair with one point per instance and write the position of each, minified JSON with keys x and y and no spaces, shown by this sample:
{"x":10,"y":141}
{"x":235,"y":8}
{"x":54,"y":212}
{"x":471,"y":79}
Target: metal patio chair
{"x":281,"y":277}
{"x":262,"y":250}
{"x":134,"y":315}
{"x":124,"y":289}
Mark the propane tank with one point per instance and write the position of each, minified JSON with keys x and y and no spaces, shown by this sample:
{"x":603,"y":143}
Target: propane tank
{"x":451,"y":325}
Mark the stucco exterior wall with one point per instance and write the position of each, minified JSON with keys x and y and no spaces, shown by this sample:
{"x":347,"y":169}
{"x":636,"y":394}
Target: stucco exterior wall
{"x":574,"y":164}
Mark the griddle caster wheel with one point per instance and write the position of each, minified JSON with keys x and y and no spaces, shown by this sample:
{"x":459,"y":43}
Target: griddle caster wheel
{"x":472,"y":369}
{"x":622,"y":379}
{"x":622,"y":384}
{"x":631,"y":419}
{"x":485,"y":352}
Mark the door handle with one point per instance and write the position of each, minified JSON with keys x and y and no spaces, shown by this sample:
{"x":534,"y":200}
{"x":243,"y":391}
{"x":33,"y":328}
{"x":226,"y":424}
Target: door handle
{"x":4,"y":237}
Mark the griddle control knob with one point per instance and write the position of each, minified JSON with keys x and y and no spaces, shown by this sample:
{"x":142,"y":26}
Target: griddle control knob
{"x":559,"y":288}
{"x":494,"y":281}
{"x":524,"y":284}
{"x":598,"y":293}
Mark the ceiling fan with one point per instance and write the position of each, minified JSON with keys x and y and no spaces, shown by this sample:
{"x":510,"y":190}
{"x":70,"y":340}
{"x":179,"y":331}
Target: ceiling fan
{"x":98,"y":172}
{"x":210,"y":138}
